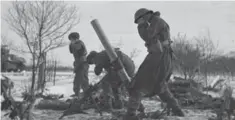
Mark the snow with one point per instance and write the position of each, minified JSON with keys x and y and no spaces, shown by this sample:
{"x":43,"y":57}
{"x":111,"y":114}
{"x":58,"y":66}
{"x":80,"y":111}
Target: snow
{"x":58,"y":90}
{"x":212,"y":82}
{"x":64,"y":85}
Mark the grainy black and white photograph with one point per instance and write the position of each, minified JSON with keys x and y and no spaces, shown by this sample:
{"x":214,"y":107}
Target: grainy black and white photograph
{"x":117,"y":60}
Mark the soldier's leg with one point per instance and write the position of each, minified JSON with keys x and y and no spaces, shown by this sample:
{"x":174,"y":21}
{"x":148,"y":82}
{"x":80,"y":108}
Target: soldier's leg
{"x":84,"y":77}
{"x":133,"y":105}
{"x":167,"y":97}
{"x":108,"y":95}
{"x":141,"y":108}
{"x":76,"y":84}
{"x":118,"y":101}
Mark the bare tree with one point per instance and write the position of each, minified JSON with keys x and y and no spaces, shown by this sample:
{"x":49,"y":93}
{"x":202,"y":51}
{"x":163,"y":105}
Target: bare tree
{"x":42,"y":26}
{"x":101,"y":47}
{"x":5,"y":41}
{"x":208,"y":51}
{"x":134,"y":53}
{"x":119,"y":44}
{"x":206,"y":46}
{"x":188,"y":56}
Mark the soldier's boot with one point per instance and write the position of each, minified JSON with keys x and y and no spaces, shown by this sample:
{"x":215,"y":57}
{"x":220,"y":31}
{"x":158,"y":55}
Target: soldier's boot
{"x":76,"y":94}
{"x":108,"y":106}
{"x":175,"y":108}
{"x":178,"y":111}
{"x":141,"y":110}
{"x":167,"y":97}
{"x":131,"y":114}
{"x":132,"y":106}
{"x":118,"y":101}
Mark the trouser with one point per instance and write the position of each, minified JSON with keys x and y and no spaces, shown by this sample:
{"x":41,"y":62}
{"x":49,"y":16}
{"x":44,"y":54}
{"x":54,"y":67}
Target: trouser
{"x":6,"y":86}
{"x":165,"y":96}
{"x":112,"y":93}
{"x":81,"y":79}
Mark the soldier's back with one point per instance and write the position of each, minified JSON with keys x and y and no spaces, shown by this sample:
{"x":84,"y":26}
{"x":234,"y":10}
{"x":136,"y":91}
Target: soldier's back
{"x":103,"y":59}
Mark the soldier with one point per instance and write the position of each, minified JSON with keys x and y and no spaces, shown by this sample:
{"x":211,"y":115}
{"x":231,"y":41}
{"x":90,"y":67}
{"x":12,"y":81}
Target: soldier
{"x":4,"y":57}
{"x":153,"y":74}
{"x":6,"y":86}
{"x":79,"y":51}
{"x":111,"y":81}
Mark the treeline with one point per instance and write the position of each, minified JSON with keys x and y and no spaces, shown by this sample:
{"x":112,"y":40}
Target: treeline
{"x":59,"y":68}
{"x":219,"y":64}
{"x":199,"y":55}
{"x":191,"y":56}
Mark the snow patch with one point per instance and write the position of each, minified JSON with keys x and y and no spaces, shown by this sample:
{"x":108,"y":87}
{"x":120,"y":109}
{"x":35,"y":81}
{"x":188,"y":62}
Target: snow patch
{"x":66,"y":90}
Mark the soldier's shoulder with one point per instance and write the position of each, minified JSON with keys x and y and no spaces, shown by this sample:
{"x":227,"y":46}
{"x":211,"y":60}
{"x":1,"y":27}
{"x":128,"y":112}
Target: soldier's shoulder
{"x":72,"y":45}
{"x":103,"y":56}
{"x":79,"y":42}
{"x":158,"y":19}
{"x":102,"y":53}
{"x":161,"y":21}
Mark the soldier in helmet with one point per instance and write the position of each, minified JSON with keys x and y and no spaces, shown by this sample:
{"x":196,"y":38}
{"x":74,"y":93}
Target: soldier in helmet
{"x":79,"y":51}
{"x":153,"y":74}
{"x":111,"y":81}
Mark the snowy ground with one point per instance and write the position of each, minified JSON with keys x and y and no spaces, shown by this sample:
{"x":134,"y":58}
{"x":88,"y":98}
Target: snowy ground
{"x":64,"y":85}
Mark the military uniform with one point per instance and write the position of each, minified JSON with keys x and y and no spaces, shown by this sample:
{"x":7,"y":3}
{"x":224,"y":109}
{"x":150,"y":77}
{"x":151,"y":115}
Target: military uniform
{"x":153,"y":74}
{"x":4,"y":57}
{"x":81,"y":66}
{"x":6,"y":86}
{"x":111,"y":81}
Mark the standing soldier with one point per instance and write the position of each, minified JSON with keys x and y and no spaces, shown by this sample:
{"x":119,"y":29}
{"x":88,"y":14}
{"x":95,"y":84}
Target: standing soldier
{"x":153,"y":74}
{"x":6,"y":86}
{"x":79,"y":51}
{"x":111,"y":81}
{"x":4,"y":57}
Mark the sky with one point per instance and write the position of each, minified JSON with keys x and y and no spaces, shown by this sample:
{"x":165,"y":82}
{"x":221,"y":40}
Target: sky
{"x":117,"y":21}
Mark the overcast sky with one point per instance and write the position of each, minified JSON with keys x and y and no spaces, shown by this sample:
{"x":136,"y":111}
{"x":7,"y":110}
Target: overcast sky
{"x":116,"y":18}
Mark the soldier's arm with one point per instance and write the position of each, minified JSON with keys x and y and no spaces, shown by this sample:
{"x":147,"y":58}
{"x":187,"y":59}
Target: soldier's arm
{"x":156,"y":26}
{"x":99,"y":62}
{"x":98,"y":69}
{"x":83,"y":47}
{"x":142,"y":29}
{"x":78,"y":46}
{"x":70,"y":48}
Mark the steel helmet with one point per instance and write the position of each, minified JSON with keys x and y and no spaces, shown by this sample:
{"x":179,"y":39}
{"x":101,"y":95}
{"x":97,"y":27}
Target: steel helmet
{"x":74,"y":35}
{"x":141,"y":12}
